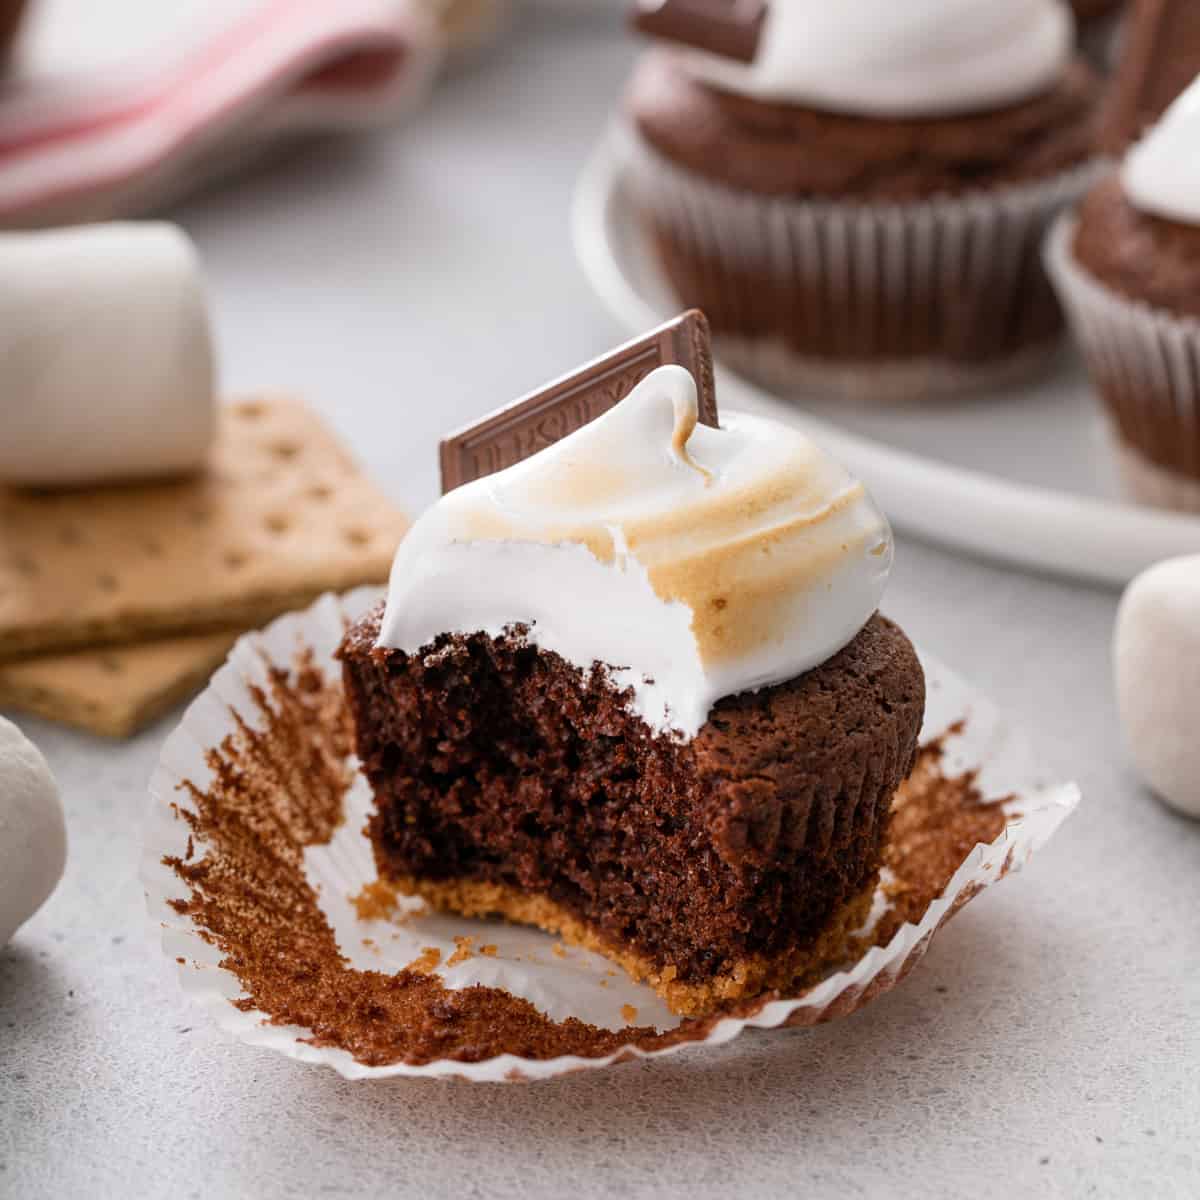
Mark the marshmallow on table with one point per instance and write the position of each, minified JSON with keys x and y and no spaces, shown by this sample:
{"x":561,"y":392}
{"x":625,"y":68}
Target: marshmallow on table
{"x":33,"y":836}
{"x":1157,"y":657}
{"x":106,"y":360}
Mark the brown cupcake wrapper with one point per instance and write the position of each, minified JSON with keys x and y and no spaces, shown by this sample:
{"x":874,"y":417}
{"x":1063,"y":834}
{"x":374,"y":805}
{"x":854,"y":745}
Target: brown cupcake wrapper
{"x":1145,"y":365}
{"x":887,"y":301}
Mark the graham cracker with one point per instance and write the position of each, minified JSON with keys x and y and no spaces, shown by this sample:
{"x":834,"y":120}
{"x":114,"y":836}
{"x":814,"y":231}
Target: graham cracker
{"x":1160,"y":55}
{"x":116,"y":691}
{"x":280,"y":515}
{"x":793,"y":968}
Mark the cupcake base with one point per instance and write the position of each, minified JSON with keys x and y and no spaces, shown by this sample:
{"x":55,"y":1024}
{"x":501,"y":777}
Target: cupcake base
{"x":886,"y":300}
{"x":506,"y":781}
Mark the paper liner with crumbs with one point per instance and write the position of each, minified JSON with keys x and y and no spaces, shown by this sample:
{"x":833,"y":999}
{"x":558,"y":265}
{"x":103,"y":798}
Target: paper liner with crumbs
{"x":262,"y":887}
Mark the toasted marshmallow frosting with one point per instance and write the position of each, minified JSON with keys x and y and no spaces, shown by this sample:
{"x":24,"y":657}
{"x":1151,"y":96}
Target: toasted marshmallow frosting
{"x":691,"y":563}
{"x":901,"y":58}
{"x":1161,"y":175}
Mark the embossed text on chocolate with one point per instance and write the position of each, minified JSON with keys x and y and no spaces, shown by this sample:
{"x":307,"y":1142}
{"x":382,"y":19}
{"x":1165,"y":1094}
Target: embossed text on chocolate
{"x":546,"y":416}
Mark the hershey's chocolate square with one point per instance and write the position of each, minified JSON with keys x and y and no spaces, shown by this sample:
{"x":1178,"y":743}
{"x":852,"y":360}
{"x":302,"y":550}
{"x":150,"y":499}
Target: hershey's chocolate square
{"x":544,"y":417}
{"x":730,"y":28}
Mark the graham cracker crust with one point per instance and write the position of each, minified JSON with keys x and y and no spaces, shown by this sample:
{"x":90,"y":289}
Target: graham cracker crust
{"x":747,"y":977}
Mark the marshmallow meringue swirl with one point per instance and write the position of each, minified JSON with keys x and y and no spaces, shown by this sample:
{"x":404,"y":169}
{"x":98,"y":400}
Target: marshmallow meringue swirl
{"x":901,"y":58}
{"x":692,"y":562}
{"x":1161,"y":174}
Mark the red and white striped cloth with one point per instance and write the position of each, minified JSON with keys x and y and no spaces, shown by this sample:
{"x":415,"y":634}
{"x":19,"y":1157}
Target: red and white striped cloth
{"x":108,"y":109}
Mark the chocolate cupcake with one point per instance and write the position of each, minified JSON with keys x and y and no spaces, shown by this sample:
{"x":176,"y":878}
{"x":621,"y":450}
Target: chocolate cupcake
{"x":1127,"y":267}
{"x":634,"y":690}
{"x":861,"y":206}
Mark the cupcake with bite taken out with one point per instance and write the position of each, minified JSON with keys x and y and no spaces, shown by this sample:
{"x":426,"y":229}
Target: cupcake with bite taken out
{"x":635,"y":690}
{"x":1127,"y":267}
{"x":856,"y":193}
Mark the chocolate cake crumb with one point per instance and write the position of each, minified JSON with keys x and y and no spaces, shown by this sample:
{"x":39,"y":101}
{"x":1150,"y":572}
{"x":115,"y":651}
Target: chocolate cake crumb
{"x":280,"y":788}
{"x":628,"y":1014}
{"x":378,"y":901}
{"x":427,"y":961}
{"x":488,"y":950}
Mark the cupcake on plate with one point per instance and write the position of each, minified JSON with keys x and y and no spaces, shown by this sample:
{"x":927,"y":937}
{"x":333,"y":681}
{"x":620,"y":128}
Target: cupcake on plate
{"x":856,"y":193}
{"x":1127,"y":267}
{"x":634,"y":690}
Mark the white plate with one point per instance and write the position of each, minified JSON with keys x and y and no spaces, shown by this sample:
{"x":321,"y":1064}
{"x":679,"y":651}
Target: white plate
{"x":1022,"y":474}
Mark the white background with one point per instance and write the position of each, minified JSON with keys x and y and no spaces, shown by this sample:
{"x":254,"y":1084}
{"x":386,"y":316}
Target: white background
{"x":1048,"y":1045}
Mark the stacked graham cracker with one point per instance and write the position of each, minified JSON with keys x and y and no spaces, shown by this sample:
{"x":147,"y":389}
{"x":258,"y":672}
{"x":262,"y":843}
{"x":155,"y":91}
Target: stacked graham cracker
{"x":117,"y":602}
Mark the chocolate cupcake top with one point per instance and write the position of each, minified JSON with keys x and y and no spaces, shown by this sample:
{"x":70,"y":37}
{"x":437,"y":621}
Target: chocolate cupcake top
{"x":880,"y":58}
{"x":1139,"y":230}
{"x":693,"y":562}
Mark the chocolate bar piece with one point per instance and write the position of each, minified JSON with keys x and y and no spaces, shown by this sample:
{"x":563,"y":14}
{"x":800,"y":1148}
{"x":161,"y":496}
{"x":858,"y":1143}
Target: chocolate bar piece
{"x":1161,"y":57}
{"x":730,"y":28}
{"x":549,"y":414}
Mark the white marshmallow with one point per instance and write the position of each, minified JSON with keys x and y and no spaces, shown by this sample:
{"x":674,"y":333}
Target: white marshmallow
{"x":1157,"y":657}
{"x":106,"y":360}
{"x":33,"y":836}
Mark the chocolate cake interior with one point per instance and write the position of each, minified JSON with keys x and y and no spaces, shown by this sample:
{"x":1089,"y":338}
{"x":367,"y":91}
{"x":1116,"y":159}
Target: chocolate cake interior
{"x":493,"y":762}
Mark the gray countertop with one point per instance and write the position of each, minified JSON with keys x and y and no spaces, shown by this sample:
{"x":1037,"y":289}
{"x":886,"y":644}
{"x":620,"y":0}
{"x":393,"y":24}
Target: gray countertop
{"x":1048,"y":1045}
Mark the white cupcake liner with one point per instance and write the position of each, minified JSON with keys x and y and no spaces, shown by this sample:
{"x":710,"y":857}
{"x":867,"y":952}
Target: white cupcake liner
{"x":928,"y":260}
{"x":1145,"y":363}
{"x":575,"y":984}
